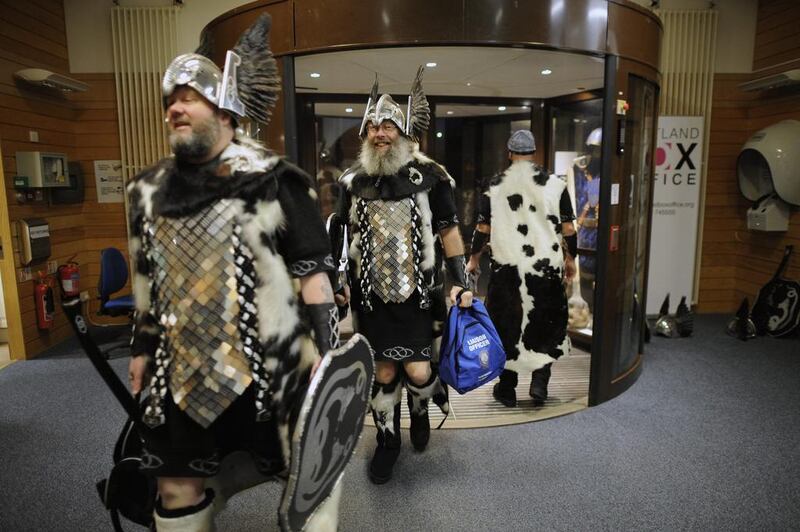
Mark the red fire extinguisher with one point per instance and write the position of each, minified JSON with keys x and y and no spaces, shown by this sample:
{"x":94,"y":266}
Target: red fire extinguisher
{"x":69,"y":275}
{"x":45,"y":304}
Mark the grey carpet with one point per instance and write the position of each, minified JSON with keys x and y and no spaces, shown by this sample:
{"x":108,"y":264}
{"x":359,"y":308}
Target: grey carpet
{"x":707,"y":439}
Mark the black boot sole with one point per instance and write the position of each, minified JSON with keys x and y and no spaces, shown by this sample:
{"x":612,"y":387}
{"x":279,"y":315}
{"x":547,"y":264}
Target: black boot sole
{"x":505,"y":401}
{"x":375,"y":479}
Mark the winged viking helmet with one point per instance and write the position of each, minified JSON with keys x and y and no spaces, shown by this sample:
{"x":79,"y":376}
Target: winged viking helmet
{"x":248,"y":85}
{"x":418,"y":113}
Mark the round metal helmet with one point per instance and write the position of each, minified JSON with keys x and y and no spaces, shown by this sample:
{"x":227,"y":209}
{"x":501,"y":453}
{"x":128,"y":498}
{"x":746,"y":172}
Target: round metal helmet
{"x":385,"y":109}
{"x":595,"y":138}
{"x":195,"y":71}
{"x":666,"y":326}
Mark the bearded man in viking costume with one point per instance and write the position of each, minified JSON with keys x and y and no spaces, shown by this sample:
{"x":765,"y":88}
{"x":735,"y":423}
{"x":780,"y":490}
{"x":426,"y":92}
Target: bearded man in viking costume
{"x":397,"y":202}
{"x":525,"y":215}
{"x":233,"y":303}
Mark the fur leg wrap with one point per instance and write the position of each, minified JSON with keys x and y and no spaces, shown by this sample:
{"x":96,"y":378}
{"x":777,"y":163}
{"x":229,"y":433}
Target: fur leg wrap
{"x":386,"y":414}
{"x":326,"y":516}
{"x":418,"y":408}
{"x":385,"y":405}
{"x":433,"y":389}
{"x":198,"y":518}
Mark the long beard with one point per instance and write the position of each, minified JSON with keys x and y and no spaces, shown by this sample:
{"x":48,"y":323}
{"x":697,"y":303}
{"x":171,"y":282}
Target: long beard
{"x":389,"y":163}
{"x":198,"y":144}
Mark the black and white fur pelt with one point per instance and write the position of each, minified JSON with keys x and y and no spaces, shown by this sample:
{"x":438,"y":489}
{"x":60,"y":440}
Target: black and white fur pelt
{"x":525,"y":234}
{"x":249,"y":175}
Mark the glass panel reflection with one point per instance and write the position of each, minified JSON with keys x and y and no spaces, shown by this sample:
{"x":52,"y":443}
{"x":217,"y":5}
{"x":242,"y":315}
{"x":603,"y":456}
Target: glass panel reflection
{"x":634,"y":198}
{"x":575,"y":152}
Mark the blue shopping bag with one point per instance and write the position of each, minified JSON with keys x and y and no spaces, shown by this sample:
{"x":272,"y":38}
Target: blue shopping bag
{"x":472,"y":353}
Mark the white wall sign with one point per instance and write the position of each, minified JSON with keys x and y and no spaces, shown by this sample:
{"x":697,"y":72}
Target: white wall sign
{"x":108,"y":179}
{"x":679,"y":157}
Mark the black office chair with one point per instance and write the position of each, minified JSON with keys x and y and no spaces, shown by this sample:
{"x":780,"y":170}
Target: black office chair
{"x":113,"y":276}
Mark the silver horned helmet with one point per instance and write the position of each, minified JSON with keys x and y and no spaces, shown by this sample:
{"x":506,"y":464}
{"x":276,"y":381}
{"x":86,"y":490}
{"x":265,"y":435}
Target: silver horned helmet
{"x":412,"y":124}
{"x":248,"y":85}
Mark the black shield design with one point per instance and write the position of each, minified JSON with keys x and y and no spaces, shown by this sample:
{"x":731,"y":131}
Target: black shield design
{"x":327,"y":431}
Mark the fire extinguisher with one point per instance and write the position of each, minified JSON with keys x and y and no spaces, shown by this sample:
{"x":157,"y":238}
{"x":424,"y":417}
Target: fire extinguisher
{"x":45,"y":304}
{"x":69,"y":275}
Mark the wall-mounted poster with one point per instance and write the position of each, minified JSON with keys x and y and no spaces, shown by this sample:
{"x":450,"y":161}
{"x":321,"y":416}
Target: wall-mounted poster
{"x":673,"y":240}
{"x":108,"y":179}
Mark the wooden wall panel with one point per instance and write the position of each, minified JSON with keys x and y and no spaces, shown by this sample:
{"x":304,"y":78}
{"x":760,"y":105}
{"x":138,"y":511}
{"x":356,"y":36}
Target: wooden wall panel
{"x":84,"y":126}
{"x":777,"y":38}
{"x":736,"y":262}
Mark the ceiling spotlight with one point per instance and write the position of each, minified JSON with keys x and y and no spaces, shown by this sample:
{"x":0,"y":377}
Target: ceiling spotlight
{"x":439,"y":134}
{"x":469,"y":84}
{"x":314,"y":74}
{"x":430,"y":65}
{"x":546,"y":72}
{"x":449,"y":112}
{"x":501,"y":108}
{"x":348,"y":110}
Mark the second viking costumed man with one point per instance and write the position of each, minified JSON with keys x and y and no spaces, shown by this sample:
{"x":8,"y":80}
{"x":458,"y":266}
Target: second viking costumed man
{"x":398,"y":202}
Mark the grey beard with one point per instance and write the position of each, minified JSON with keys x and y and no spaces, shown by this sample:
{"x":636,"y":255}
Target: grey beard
{"x":399,"y":154}
{"x":198,"y":145}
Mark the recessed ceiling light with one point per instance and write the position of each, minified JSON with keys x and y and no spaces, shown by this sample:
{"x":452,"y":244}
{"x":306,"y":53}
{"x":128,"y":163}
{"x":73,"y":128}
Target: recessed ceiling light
{"x":501,"y":108}
{"x":546,"y":72}
{"x":449,"y":112}
{"x":314,"y":74}
{"x":469,"y":84}
{"x":439,"y":134}
{"x":348,"y":110}
{"x":431,"y":64}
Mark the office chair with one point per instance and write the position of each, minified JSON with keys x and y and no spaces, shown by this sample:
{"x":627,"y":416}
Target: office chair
{"x":113,"y":276}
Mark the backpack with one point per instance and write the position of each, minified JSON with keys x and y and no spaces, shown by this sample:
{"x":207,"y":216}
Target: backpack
{"x":472,"y":353}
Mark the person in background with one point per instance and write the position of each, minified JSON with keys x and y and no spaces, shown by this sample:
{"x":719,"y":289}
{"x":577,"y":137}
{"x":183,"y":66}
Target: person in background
{"x":525,"y":215}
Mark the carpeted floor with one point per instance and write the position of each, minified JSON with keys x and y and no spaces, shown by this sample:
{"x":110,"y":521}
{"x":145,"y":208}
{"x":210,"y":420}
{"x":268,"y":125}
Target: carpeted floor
{"x":707,"y":439}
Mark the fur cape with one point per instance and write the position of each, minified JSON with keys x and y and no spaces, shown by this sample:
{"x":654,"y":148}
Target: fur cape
{"x":249,"y":175}
{"x":416,"y":178}
{"x":526,"y":245}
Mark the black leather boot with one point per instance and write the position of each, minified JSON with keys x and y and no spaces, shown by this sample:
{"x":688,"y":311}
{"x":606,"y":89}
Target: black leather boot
{"x":420,"y":429}
{"x":386,"y":414}
{"x":539,"y":381}
{"x":505,"y":389}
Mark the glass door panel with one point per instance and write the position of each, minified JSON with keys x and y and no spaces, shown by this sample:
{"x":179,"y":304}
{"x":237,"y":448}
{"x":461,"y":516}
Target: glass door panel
{"x":634,"y":203}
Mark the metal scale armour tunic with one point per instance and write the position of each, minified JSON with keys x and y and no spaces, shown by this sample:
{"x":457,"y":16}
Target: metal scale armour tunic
{"x":199,"y":310}
{"x":392,"y":265}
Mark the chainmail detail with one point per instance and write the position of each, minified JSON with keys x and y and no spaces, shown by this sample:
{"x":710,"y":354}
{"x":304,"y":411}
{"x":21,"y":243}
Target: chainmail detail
{"x":417,"y":247}
{"x":247,"y":281}
{"x":366,"y":253}
{"x":154,"y":410}
{"x":248,"y":326}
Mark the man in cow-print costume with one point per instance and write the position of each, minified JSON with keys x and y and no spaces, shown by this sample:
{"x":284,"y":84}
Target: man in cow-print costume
{"x":396,"y":202}
{"x":525,"y":214}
